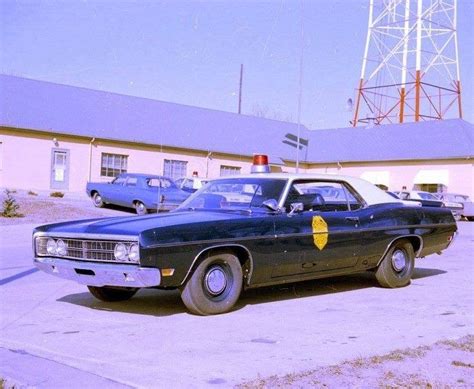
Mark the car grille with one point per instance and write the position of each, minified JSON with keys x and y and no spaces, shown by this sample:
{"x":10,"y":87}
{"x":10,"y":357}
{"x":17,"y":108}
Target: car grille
{"x":85,"y":250}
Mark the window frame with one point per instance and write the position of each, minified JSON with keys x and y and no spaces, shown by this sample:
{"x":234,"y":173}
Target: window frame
{"x":344,"y":185}
{"x":173,"y":172}
{"x":113,"y":171}
{"x":229,"y":170}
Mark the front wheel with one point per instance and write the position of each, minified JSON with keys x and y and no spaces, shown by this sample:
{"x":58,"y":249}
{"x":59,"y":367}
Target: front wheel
{"x":215,"y":285}
{"x":397,"y":266}
{"x":111,"y":294}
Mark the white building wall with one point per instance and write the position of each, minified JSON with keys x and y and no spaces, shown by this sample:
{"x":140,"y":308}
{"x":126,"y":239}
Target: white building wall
{"x":26,"y":160}
{"x":460,"y":173}
{"x":25,"y":163}
{"x":149,"y":159}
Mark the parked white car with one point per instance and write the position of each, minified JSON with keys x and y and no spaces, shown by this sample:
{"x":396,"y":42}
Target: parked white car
{"x":467,"y":210}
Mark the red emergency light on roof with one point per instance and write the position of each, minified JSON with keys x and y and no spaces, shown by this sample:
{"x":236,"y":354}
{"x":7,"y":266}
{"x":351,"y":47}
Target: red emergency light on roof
{"x":260,"y":164}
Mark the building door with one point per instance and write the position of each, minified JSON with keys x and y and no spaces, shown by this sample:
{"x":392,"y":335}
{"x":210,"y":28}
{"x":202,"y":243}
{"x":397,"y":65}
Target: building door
{"x":60,"y":169}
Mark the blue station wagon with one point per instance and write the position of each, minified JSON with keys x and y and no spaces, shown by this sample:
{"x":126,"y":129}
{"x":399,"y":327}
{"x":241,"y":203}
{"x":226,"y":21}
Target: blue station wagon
{"x":143,"y":192}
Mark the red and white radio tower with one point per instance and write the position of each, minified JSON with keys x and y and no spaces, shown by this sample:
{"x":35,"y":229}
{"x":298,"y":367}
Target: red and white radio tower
{"x":410,"y":69}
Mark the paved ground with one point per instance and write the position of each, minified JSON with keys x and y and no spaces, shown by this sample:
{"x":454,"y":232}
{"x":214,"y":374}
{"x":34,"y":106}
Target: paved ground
{"x":53,"y":331}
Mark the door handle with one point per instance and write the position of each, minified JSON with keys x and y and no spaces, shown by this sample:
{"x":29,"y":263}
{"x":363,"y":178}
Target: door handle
{"x":352,"y":219}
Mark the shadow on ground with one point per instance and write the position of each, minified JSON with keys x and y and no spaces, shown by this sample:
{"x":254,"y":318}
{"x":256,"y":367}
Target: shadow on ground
{"x":154,"y":302}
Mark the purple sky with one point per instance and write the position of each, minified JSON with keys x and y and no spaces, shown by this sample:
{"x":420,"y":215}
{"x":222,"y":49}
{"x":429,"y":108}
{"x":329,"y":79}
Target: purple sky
{"x":190,"y":52}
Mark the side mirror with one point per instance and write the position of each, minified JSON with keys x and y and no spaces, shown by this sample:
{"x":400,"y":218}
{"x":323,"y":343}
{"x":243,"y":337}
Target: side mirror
{"x":271,"y":204}
{"x":296,"y":208}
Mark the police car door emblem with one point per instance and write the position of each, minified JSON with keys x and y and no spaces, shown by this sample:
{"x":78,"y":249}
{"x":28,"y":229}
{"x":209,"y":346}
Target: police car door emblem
{"x":320,"y":232}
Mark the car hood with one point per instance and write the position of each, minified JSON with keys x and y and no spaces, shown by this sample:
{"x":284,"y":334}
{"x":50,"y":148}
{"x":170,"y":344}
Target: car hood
{"x":134,"y":225}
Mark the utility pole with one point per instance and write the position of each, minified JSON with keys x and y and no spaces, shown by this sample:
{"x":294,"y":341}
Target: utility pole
{"x":300,"y":93}
{"x":240,"y":87}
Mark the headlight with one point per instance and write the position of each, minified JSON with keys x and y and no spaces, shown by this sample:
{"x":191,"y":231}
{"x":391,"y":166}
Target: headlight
{"x":120,"y":252}
{"x":61,"y":247}
{"x":134,"y":253}
{"x":51,"y":246}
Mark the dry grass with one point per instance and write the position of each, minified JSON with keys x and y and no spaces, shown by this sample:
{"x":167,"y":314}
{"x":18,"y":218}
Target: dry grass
{"x":421,"y":367}
{"x":467,"y":344}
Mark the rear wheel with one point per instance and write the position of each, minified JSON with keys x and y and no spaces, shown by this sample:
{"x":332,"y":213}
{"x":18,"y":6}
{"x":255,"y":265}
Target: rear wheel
{"x":397,"y":266}
{"x":215,"y":285}
{"x":97,"y":200}
{"x":110,"y":294}
{"x":140,"y":208}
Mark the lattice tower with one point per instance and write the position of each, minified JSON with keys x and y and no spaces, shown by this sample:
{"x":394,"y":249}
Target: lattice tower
{"x":410,"y":69}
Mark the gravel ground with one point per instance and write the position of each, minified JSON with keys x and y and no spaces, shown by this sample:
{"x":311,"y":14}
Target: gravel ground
{"x":42,"y":208}
{"x":446,"y":364}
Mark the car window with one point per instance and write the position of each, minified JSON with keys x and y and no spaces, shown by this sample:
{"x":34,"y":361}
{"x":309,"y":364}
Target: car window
{"x":132,"y":181}
{"x":188,"y":184}
{"x":159,"y":182}
{"x":322,"y":196}
{"x":165,"y":183}
{"x":404,"y":195}
{"x":119,"y":181}
{"x":427,"y":196}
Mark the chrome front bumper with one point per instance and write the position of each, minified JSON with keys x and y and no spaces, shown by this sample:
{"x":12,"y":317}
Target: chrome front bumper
{"x":100,"y":274}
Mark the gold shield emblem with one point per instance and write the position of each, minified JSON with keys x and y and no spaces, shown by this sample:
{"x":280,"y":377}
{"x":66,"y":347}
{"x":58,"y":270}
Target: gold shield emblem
{"x":320,"y":232}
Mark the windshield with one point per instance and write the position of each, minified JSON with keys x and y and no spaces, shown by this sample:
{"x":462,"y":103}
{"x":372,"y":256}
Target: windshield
{"x":427,"y":196}
{"x":235,"y":193}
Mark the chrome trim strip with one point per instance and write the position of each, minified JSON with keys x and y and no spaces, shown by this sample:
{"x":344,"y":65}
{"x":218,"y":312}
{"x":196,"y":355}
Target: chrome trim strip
{"x":285,"y":236}
{"x":220,"y":246}
{"x":211,"y":241}
{"x":88,"y":236}
{"x":105,"y":274}
{"x":402,"y":237}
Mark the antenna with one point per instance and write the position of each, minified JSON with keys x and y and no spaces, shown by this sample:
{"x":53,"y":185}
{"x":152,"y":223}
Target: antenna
{"x":410,"y":68}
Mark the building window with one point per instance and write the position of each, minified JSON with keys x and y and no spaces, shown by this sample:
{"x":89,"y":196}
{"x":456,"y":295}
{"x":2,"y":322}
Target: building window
{"x":113,"y":164}
{"x":175,"y":169}
{"x":433,"y":188}
{"x":229,"y":170}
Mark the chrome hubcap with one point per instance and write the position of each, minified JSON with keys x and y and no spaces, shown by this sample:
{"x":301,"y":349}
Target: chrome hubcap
{"x":398,"y":260}
{"x":97,"y":199}
{"x":215,"y":280}
{"x":140,"y":207}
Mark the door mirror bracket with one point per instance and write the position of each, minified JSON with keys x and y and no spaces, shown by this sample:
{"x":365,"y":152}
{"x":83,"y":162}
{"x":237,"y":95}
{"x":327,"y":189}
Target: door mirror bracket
{"x":296,"y":208}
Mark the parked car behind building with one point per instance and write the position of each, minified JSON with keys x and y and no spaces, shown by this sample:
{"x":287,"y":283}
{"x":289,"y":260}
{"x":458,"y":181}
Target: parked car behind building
{"x":140,"y":191}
